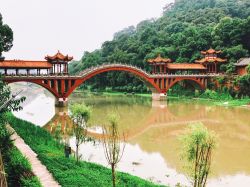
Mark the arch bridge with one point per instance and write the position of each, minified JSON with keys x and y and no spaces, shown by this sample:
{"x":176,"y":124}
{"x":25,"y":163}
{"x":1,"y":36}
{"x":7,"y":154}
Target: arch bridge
{"x":61,"y":86}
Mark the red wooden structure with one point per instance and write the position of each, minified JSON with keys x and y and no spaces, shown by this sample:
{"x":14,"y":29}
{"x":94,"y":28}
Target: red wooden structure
{"x":52,"y":74}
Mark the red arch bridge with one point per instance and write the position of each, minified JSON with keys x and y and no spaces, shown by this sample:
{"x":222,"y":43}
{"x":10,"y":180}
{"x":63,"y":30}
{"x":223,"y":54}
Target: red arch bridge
{"x":61,"y":86}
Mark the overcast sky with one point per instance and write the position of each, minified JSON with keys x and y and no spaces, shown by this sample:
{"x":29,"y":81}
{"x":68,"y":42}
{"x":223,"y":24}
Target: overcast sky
{"x":42,"y":27}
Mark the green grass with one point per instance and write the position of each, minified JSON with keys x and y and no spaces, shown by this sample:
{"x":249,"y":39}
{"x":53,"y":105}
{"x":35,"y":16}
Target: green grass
{"x":235,"y":102}
{"x":64,"y":170}
{"x":17,"y":167}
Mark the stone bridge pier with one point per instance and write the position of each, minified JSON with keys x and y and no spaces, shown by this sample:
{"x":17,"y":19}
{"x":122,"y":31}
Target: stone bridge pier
{"x":61,"y":102}
{"x":159,"y":96}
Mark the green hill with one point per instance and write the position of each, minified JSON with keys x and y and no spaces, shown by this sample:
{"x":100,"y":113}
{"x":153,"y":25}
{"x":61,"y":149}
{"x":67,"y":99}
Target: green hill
{"x":185,"y":28}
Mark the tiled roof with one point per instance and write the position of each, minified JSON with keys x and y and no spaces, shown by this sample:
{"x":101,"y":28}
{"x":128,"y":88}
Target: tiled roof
{"x":210,"y":51}
{"x":59,"y":56}
{"x":210,"y":59}
{"x":243,"y":62}
{"x":24,"y":64}
{"x":159,"y":59}
{"x":185,"y":66}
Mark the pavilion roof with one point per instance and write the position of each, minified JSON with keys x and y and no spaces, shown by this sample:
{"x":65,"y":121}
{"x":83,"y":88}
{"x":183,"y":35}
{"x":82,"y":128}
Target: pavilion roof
{"x":211,"y":59}
{"x":211,"y":51}
{"x":25,"y":64}
{"x":185,"y":66}
{"x":243,"y":62}
{"x":59,"y":56}
{"x":159,"y":59}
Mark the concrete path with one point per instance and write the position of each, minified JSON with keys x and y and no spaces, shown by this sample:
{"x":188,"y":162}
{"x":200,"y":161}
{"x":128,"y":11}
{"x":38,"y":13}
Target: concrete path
{"x":38,"y":168}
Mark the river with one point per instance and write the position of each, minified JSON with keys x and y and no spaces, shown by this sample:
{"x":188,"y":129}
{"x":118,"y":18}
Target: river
{"x":152,"y":129}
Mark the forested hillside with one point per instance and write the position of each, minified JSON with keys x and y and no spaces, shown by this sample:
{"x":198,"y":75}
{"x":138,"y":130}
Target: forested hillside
{"x":185,"y":28}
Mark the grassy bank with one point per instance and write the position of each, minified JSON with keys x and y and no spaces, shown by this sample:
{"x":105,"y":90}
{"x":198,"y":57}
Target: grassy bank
{"x":17,"y":167}
{"x":65,"y":171}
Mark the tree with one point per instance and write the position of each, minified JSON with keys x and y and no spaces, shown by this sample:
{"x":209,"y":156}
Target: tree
{"x":113,"y":147}
{"x":248,"y":69}
{"x":198,"y":146}
{"x":80,"y":115}
{"x":8,"y":102}
{"x":6,"y":37}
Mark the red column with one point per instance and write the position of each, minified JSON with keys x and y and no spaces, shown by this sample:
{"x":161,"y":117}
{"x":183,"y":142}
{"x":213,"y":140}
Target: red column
{"x":63,"y":86}
{"x":56,"y":85}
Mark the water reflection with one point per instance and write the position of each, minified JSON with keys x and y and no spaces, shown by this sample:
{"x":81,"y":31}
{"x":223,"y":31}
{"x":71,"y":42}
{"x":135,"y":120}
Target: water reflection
{"x":153,"y":129}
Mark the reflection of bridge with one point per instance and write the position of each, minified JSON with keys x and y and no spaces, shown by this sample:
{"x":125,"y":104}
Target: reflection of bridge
{"x":159,"y":116}
{"x":61,"y":86}
{"x":52,"y":74}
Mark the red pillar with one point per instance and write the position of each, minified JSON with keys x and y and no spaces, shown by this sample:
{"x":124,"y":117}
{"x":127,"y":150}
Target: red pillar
{"x":63,"y":86}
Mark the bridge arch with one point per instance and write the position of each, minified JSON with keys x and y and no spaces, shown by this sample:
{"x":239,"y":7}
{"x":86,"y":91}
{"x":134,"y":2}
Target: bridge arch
{"x":38,"y":82}
{"x":198,"y":81}
{"x":141,"y":74}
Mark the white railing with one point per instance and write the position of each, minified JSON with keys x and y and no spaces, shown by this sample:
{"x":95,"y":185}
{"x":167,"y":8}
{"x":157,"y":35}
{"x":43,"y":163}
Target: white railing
{"x":116,"y":65}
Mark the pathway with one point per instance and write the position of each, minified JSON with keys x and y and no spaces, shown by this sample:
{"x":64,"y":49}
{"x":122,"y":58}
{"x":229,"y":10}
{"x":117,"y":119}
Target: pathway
{"x":38,"y":168}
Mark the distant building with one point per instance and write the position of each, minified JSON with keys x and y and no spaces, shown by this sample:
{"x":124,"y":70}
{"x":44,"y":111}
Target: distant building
{"x":161,"y":65}
{"x":241,"y":66}
{"x":211,"y":60}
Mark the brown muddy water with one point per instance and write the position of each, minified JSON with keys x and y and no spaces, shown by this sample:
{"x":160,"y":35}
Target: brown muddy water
{"x":153,"y":149}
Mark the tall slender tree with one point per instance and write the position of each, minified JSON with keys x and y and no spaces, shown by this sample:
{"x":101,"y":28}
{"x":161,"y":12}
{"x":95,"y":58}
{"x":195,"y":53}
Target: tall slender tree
{"x":198,"y":147}
{"x":113,"y":144}
{"x":80,"y":115}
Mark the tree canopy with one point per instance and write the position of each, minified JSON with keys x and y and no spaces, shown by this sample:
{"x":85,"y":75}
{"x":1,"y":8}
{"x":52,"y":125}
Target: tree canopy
{"x":6,"y":37}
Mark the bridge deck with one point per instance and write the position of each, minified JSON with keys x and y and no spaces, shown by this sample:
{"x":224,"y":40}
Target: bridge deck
{"x":81,"y":76}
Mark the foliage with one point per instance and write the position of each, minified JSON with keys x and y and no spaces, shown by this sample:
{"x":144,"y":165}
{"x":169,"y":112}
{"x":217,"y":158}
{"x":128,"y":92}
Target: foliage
{"x":6,"y":37}
{"x":64,"y":170}
{"x":248,"y":69}
{"x":216,"y":95}
{"x":198,"y":146}
{"x":80,"y":116}
{"x":186,"y":28}
{"x":112,"y":144}
{"x":243,"y":82}
{"x":8,"y":102}
{"x":17,"y":167}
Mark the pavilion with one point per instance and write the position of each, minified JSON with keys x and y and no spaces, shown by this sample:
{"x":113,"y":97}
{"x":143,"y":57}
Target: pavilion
{"x":164,"y":65}
{"x":211,"y":60}
{"x":57,"y":64}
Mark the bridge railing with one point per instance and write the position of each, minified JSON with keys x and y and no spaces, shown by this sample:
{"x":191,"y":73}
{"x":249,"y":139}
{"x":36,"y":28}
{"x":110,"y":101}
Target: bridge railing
{"x":111,"y":65}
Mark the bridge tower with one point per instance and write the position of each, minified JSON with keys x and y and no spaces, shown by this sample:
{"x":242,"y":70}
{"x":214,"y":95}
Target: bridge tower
{"x":211,"y":60}
{"x":59,"y":63}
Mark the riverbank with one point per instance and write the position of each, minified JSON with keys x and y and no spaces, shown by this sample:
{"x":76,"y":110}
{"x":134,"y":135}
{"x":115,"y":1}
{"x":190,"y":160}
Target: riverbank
{"x":17,"y":167}
{"x":229,"y":102}
{"x":66,"y":171}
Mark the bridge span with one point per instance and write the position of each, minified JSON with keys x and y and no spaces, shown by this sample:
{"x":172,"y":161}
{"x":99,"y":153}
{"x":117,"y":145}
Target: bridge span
{"x":61,"y":86}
